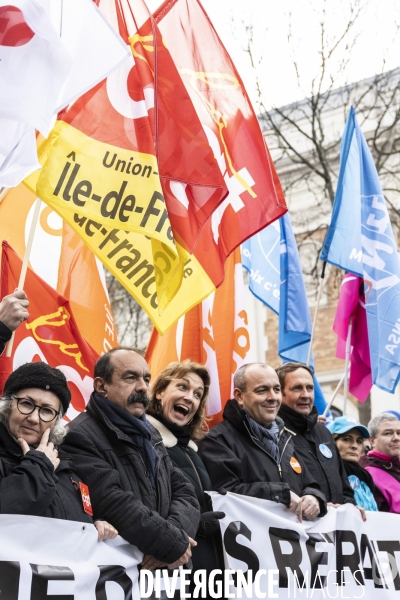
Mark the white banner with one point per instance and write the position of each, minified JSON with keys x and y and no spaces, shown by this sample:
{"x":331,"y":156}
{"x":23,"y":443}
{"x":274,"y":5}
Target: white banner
{"x":51,"y":559}
{"x":268,"y":554}
{"x":337,"y":556}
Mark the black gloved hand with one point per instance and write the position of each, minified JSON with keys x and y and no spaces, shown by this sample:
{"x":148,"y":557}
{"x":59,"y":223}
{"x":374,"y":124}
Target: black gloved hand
{"x":209,"y":523}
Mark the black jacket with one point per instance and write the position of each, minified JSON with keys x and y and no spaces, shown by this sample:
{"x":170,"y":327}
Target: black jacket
{"x":158,"y":521}
{"x":309,"y":435}
{"x":187,"y":460}
{"x":237,"y":461}
{"x":5,"y":336}
{"x":30,"y":486}
{"x":208,"y":553}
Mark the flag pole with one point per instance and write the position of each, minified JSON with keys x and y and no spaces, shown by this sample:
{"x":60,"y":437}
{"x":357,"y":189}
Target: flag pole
{"x":25,"y":262}
{"x":346,"y":371}
{"x":335,"y":393}
{"x":320,"y":286}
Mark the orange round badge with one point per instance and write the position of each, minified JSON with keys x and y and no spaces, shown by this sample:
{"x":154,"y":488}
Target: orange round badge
{"x":296,"y":466}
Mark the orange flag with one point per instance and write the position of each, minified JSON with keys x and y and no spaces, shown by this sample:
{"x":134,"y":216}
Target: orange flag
{"x":213,"y":333}
{"x":81,"y":279}
{"x":61,"y":258}
{"x":50,"y":334}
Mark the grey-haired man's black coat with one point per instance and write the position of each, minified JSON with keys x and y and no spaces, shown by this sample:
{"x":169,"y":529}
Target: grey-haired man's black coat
{"x":157,"y":521}
{"x":311,"y":439}
{"x":237,"y":461}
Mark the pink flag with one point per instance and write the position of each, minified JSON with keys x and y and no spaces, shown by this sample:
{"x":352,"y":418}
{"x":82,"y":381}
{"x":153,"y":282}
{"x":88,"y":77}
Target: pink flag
{"x":351,"y":305}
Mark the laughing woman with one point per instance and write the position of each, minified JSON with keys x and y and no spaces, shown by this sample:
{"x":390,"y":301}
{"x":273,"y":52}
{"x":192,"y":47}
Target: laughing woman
{"x":178,"y":410}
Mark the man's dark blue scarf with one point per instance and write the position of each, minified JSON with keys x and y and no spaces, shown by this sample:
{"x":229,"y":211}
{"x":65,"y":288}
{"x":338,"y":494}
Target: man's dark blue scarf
{"x":137,"y":428}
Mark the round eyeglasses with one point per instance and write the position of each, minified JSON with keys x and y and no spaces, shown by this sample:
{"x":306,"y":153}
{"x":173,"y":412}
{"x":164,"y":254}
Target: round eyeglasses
{"x":26,"y":407}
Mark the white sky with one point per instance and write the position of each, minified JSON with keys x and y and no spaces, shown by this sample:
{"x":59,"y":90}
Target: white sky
{"x":376,"y":31}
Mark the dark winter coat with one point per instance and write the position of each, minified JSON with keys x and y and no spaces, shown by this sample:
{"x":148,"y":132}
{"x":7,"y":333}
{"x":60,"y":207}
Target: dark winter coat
{"x":5,"y":336}
{"x":30,"y":486}
{"x":237,"y":461}
{"x":309,"y":436}
{"x":157,"y":521}
{"x":208,"y":553}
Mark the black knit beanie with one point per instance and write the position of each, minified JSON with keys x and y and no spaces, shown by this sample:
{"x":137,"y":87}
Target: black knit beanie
{"x":39,"y":375}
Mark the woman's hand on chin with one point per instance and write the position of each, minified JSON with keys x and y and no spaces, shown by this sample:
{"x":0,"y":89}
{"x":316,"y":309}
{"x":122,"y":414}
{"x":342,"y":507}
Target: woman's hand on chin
{"x":44,"y":446}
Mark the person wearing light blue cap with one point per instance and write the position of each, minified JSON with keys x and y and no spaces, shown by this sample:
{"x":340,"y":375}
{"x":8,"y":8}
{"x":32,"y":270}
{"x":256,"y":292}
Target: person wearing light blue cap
{"x":349,"y":435}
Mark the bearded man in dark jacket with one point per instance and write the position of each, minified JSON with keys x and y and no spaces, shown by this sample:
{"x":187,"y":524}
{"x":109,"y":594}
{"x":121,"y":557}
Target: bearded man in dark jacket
{"x":123,"y":460}
{"x":251,"y":452}
{"x":313,"y":442}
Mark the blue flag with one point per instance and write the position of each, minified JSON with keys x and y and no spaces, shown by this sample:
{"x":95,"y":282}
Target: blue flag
{"x":294,"y":314}
{"x":275,"y":277}
{"x":320,"y":402}
{"x":261,"y":258}
{"x":360,"y":239}
{"x":342,"y":245}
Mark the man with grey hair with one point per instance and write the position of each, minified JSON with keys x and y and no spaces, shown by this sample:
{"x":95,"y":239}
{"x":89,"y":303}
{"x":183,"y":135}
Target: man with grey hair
{"x":251,"y":452}
{"x":383,"y":461}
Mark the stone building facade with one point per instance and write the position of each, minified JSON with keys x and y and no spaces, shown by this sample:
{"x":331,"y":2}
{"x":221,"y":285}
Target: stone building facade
{"x":310,"y":211}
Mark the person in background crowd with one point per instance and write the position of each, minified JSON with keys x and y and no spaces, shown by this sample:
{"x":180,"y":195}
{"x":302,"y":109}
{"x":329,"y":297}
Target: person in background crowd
{"x":252,"y":453}
{"x":366,"y":446}
{"x":383,"y":461}
{"x":123,"y":460}
{"x":177,"y":409}
{"x":33,"y":480}
{"x":13,"y":312}
{"x":313,"y":442}
{"x":349,"y":436}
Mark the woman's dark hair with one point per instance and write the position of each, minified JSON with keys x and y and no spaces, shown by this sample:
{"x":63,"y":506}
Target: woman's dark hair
{"x":174,"y":371}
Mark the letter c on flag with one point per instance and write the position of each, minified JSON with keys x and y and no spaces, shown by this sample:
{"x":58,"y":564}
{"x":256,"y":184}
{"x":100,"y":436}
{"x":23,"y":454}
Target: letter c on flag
{"x":118,"y":93}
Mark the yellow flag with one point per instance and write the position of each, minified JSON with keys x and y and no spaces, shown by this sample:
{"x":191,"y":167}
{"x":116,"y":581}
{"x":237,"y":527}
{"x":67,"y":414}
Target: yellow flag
{"x":139,"y":263}
{"x":113,"y":188}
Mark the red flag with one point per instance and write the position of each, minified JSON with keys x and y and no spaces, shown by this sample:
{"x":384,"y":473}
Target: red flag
{"x":351,"y":305}
{"x":144,"y":106}
{"x":213,"y":333}
{"x":50,"y":334}
{"x":217,"y":92}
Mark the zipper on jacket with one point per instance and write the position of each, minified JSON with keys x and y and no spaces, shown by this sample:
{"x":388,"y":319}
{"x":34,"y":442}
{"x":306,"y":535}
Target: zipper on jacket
{"x":147,"y":474}
{"x":278,"y":464}
{"x":281,"y":456}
